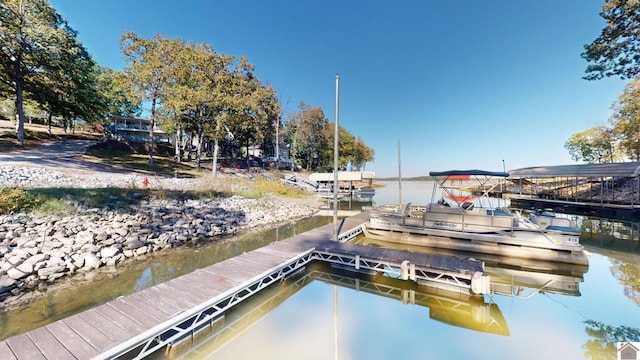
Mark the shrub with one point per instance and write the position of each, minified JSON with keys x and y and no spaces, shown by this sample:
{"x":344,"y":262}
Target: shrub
{"x":12,"y":199}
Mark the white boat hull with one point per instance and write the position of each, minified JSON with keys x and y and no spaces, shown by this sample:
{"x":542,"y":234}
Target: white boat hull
{"x":474,"y":231}
{"x":474,"y":243}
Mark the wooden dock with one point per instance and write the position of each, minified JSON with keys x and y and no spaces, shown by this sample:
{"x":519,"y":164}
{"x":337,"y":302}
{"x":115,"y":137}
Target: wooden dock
{"x":149,"y":320}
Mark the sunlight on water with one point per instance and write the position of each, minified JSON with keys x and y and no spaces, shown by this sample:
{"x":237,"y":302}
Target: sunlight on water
{"x":381,"y":324}
{"x":537,"y":311}
{"x":541,"y":311}
{"x":85,"y":291}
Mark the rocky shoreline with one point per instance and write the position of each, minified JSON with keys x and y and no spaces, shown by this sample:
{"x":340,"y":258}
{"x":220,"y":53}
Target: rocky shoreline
{"x":37,"y":251}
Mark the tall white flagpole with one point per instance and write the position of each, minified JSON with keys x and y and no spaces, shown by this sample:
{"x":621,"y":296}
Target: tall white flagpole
{"x":335,"y":163}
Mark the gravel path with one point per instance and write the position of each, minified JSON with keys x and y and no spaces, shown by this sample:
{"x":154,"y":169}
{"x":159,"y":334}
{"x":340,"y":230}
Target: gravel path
{"x":60,"y":164}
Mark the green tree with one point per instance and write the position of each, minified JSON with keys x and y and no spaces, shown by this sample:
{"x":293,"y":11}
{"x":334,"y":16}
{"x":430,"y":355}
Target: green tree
{"x":310,"y":141}
{"x":69,"y":85}
{"x":594,"y":145}
{"x":186,"y":98}
{"x":32,"y":33}
{"x":602,"y":344}
{"x":119,"y":100}
{"x":362,"y":154}
{"x":616,"y":52}
{"x":626,"y":120}
{"x":346,"y":145}
{"x":149,"y":71}
{"x":202,"y":96}
{"x":253,"y":107}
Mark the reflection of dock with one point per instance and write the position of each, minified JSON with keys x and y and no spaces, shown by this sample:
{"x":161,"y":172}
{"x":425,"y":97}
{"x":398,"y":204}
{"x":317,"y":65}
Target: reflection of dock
{"x":510,"y":276}
{"x":449,"y":307}
{"x":455,"y":309}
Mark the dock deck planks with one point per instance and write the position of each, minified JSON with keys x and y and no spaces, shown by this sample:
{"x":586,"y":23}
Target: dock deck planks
{"x":93,"y":331}
{"x":5,"y":351}
{"x":54,"y":350}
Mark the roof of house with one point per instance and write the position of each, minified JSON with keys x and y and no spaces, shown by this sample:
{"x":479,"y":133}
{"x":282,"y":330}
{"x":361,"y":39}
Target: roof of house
{"x":343,"y":176}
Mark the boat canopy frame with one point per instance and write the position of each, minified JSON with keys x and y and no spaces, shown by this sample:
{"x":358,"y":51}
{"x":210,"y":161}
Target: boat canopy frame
{"x":481,"y":177}
{"x":474,"y":172}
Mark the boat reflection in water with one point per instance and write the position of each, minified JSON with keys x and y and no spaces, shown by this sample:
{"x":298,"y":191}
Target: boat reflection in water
{"x":510,"y":276}
{"x":453,"y":308}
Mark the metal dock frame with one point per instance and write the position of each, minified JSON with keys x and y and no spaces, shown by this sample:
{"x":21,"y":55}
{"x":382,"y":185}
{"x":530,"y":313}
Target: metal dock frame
{"x":474,"y":283}
{"x":188,"y":323}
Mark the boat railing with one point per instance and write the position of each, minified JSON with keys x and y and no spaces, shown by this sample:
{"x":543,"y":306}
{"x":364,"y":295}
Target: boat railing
{"x":535,"y":227}
{"x":500,"y":221}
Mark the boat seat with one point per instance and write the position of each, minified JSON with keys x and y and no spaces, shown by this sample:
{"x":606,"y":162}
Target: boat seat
{"x":467,"y":205}
{"x":498,"y":212}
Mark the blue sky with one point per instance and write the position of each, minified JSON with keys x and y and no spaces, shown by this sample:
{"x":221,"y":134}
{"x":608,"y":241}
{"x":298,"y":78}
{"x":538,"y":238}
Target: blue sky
{"x":459,"y":84}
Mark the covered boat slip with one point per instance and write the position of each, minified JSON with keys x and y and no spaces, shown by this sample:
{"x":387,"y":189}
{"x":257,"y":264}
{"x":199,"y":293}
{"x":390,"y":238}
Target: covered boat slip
{"x":348,"y":181}
{"x":610,"y":190}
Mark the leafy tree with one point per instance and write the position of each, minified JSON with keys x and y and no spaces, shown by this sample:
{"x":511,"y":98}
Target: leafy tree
{"x":203,"y":96}
{"x":353,"y":153}
{"x":31,"y":34}
{"x":616,"y":52}
{"x":68,"y":86}
{"x":149,"y":71}
{"x":346,"y":144}
{"x":310,"y":141}
{"x":362,"y":154}
{"x":253,"y":107}
{"x":626,"y":120}
{"x":118,"y":99}
{"x":186,"y":99}
{"x":595,"y":145}
{"x":604,"y":338}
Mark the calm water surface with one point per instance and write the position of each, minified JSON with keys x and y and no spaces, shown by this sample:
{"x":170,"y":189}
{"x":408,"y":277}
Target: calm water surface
{"x":555,"y":312}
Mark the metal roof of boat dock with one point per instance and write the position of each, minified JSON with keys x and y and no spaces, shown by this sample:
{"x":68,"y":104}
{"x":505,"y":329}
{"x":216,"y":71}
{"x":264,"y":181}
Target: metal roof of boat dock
{"x":343,"y":176}
{"x":623,"y":169}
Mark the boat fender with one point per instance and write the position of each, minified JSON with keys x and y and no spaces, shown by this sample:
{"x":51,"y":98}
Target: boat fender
{"x":480,"y":283}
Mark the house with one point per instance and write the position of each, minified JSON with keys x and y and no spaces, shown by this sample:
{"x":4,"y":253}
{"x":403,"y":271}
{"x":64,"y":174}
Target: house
{"x":133,"y":129}
{"x":627,"y":351}
{"x":255,"y":151}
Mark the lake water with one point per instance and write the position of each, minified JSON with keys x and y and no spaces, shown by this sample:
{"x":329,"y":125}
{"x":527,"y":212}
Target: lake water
{"x":556,"y":312}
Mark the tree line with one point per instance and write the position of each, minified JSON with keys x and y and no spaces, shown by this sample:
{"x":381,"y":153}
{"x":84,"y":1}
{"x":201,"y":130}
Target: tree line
{"x":614,"y":53}
{"x":207,"y":100}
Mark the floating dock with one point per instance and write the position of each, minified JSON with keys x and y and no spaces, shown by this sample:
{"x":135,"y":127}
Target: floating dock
{"x":137,"y":325}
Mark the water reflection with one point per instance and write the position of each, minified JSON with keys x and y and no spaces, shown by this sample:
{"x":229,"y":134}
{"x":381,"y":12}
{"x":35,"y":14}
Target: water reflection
{"x":86,"y":290}
{"x":452,"y":309}
{"x":509,"y":276}
{"x":538,"y":310}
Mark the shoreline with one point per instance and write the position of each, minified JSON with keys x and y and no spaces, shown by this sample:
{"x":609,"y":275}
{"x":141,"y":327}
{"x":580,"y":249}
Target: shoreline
{"x":30,"y":265}
{"x":38,"y":252}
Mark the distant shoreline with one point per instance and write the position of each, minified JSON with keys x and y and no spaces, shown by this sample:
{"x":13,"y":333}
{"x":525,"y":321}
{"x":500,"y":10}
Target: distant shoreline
{"x":417,"y":178}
